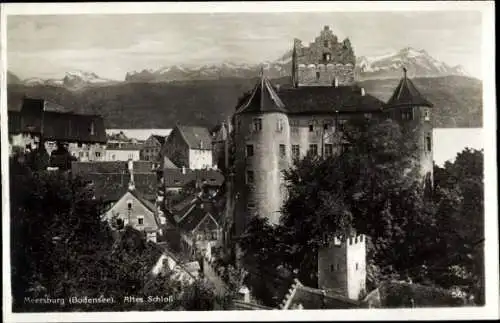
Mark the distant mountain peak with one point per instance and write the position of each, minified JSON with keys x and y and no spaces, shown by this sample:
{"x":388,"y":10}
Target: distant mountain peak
{"x":418,"y":62}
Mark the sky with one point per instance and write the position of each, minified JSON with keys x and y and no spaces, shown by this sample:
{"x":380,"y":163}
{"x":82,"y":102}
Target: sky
{"x":47,"y":46}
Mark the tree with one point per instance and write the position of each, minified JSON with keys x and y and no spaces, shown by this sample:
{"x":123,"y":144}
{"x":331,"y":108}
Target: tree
{"x":459,"y":194}
{"x":371,"y":187}
{"x":61,"y":247}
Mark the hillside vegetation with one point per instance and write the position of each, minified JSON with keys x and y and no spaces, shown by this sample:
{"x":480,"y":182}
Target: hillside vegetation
{"x":457,"y":100}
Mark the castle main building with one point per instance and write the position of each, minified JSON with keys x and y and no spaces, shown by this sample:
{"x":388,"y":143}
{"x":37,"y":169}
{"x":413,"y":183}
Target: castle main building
{"x":273,"y":126}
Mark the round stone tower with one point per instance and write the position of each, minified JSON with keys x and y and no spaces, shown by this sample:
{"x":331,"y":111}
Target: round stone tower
{"x":413,"y":112}
{"x":262,"y":152}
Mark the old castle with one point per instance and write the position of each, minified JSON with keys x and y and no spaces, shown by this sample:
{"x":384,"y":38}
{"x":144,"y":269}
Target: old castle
{"x":275,"y":125}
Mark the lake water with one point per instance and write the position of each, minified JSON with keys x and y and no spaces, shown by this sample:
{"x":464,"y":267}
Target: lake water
{"x":450,"y":141}
{"x":447,"y":141}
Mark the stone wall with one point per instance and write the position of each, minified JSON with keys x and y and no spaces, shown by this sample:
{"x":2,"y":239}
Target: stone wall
{"x":264,"y":196}
{"x":325,"y":60}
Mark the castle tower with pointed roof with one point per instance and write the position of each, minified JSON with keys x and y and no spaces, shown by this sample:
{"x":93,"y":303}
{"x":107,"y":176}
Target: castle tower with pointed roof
{"x":413,"y":112}
{"x":262,"y":132}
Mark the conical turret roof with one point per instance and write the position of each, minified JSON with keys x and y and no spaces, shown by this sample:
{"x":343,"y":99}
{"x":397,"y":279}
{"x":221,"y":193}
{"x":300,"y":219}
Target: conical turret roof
{"x":406,"y":93}
{"x":263,"y":98}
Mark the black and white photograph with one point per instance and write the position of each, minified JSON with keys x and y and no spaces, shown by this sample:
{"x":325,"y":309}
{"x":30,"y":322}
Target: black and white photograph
{"x":191,"y":158}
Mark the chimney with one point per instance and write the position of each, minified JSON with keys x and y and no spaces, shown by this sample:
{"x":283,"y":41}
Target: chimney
{"x":336,"y":83}
{"x":131,"y":184}
{"x":362,"y":91}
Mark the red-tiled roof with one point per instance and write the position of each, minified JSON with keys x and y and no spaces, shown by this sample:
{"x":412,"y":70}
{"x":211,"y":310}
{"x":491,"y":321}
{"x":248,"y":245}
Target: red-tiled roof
{"x":406,"y":93}
{"x":263,"y":98}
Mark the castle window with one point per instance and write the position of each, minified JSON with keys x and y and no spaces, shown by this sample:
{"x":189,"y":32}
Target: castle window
{"x":332,"y":267}
{"x":98,"y":154}
{"x":250,"y":177}
{"x":427,"y":115}
{"x":326,"y":126}
{"x":279,"y":125}
{"x":140,"y":220}
{"x":251,"y":205}
{"x":317,"y":76}
{"x":249,"y":150}
{"x":407,"y":114}
{"x":326,"y":57}
{"x":428,"y":143}
{"x":328,"y":150}
{"x":282,"y":151}
{"x":296,"y":152}
{"x":311,"y":128}
{"x":257,"y":124}
{"x":313,"y":149}
{"x":357,"y":267}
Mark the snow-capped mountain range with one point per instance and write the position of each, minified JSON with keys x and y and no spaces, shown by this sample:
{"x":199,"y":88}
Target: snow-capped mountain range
{"x":74,"y":80}
{"x":418,"y":63}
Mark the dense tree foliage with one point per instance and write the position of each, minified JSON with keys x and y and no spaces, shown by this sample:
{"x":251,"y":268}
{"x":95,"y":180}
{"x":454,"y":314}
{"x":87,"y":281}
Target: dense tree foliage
{"x":373,"y":188}
{"x":62,"y":248}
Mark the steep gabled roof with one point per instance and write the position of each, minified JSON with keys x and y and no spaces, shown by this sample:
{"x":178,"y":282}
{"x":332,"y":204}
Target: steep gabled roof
{"x":263,"y":98}
{"x":406,"y":94}
{"x":167,"y":163}
{"x":196,"y":137}
{"x":161,"y":139}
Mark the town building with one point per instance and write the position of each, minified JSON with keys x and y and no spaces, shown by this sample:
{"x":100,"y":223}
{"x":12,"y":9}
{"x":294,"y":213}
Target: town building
{"x":150,"y":150}
{"x":189,"y":147}
{"x":273,"y":126}
{"x":109,"y":181}
{"x":123,"y":151}
{"x":38,"y":124}
{"x":128,"y":191}
{"x":220,"y":135}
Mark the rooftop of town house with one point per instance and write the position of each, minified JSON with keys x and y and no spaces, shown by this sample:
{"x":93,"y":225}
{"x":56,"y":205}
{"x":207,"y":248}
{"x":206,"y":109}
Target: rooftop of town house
{"x":196,"y":137}
{"x":178,"y":177}
{"x":55,"y":123}
{"x":110,"y":180}
{"x":303,"y":297}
